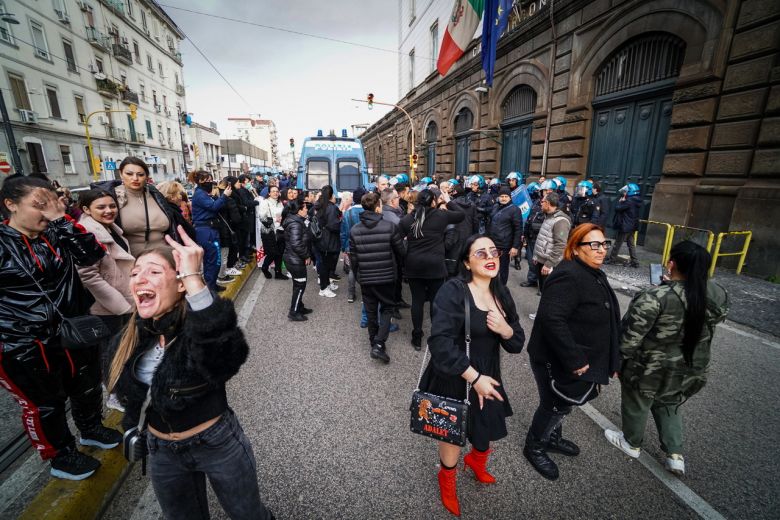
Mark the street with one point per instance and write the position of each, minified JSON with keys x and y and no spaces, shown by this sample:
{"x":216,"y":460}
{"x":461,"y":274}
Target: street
{"x":329,"y":428}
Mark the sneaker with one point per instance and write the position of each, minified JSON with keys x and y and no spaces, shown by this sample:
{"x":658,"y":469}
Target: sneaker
{"x":351,"y":299}
{"x":305,"y":310}
{"x":113,"y":403}
{"x":394,"y":327}
{"x":675,"y":463}
{"x":334,"y":278}
{"x":224,"y":281}
{"x":528,"y":284}
{"x":219,"y":288}
{"x":232,"y":272}
{"x":266,"y":273}
{"x":378,"y":352}
{"x":327,"y":293}
{"x":617,"y":439}
{"x":363,"y":324}
{"x":100,"y":436}
{"x":297,"y":316}
{"x":71,"y":464}
{"x":532,"y":316}
{"x":333,"y":287}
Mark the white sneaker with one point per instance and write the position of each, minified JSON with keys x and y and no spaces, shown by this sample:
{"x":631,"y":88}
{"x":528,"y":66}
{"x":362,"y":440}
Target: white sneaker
{"x":675,"y":463}
{"x":113,"y":403}
{"x":226,"y":281}
{"x":326,"y":292}
{"x":532,"y":316}
{"x":233,"y":272}
{"x":333,"y":287}
{"x":618,"y":440}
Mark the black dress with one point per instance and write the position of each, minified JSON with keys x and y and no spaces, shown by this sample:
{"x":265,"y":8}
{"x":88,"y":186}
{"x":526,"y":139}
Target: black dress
{"x":448,"y":359}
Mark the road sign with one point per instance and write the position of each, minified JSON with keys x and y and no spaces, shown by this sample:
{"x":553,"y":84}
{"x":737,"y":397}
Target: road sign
{"x":3,"y":157}
{"x":109,"y":165}
{"x":5,"y":167}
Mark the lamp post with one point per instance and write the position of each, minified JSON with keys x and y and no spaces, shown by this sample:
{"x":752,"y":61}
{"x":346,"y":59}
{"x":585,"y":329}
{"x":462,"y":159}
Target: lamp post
{"x":183,"y":144}
{"x":371,"y":101}
{"x":94,"y":161}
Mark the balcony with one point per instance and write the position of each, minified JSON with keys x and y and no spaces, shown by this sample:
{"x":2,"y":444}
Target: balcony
{"x":118,"y":134}
{"x":97,"y":39}
{"x":117,"y":6}
{"x":129,"y":97}
{"x":107,"y":88}
{"x":167,"y":111}
{"x":139,"y":138}
{"x":122,"y":54}
{"x":179,"y":89}
{"x":157,"y":108}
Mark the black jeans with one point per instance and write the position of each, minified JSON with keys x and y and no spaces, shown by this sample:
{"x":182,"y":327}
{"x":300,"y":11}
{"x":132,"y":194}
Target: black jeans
{"x":531,"y":277}
{"x":551,"y":410}
{"x":223,"y":454}
{"x":327,"y":267}
{"x":540,"y":277}
{"x":298,"y":272}
{"x":503,"y":265}
{"x":378,"y":299}
{"x":422,"y":289}
{"x":272,"y":252}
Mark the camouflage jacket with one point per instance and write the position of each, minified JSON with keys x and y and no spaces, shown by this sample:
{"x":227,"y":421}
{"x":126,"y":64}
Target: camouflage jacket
{"x":651,"y":342}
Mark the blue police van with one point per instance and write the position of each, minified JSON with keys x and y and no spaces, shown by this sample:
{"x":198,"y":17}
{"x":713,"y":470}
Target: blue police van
{"x":338,"y":161}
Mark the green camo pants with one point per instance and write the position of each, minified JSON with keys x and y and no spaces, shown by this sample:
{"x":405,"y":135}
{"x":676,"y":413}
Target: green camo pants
{"x":668,"y":421}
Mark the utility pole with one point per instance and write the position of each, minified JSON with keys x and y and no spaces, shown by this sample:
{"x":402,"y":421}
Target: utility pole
{"x":181,"y":135}
{"x":9,"y":135}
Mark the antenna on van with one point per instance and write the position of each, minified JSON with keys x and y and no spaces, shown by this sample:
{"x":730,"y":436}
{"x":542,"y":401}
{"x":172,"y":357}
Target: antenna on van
{"x":344,"y":132}
{"x":319,"y":133}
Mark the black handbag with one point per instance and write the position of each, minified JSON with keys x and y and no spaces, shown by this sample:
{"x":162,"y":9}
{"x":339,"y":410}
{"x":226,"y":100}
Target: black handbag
{"x":442,"y":418}
{"x":79,"y":331}
{"x":574,"y":391}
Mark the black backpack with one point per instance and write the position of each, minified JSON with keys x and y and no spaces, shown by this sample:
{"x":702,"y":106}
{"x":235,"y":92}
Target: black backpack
{"x":314,"y":227}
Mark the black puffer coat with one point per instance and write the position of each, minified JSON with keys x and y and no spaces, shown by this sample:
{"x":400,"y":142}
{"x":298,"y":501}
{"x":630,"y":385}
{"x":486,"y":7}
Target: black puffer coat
{"x":375,"y":245}
{"x":298,"y":239}
{"x":25,"y":315}
{"x":470,"y":225}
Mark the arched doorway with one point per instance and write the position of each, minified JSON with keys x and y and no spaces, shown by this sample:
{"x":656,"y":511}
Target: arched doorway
{"x":516,"y":125}
{"x":463,"y":123}
{"x":632,"y":109}
{"x":431,"y":134}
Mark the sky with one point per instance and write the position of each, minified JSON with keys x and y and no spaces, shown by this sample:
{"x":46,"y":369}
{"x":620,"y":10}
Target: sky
{"x":301,"y":83}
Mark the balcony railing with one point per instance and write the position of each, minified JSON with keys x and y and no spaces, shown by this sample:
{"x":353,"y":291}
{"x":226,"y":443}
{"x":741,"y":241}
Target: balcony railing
{"x":106,"y":87}
{"x":122,"y":54}
{"x":139,"y":138}
{"x":119,"y":134}
{"x":117,"y":6}
{"x":128,"y":96}
{"x":97,"y":39}
{"x":179,"y":89}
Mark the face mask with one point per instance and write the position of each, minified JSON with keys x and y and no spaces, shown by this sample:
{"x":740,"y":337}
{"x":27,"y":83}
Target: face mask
{"x":208,"y":186}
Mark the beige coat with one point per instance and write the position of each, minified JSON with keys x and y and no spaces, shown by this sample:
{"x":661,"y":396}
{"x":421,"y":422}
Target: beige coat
{"x":109,"y":279}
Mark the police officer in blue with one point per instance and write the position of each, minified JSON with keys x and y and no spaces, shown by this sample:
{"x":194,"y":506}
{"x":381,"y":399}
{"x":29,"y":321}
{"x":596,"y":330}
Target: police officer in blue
{"x":530,"y":230}
{"x":564,"y":199}
{"x":626,"y":222}
{"x":584,"y":208}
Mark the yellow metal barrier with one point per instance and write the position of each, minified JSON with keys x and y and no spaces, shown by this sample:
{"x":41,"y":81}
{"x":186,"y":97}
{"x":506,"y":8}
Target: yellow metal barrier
{"x":742,"y":254}
{"x":667,"y":239}
{"x":710,"y":235}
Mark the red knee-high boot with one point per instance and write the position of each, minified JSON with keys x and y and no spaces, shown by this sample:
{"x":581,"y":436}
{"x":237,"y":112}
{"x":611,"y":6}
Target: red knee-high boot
{"x":448,"y":479}
{"x":477,"y":461}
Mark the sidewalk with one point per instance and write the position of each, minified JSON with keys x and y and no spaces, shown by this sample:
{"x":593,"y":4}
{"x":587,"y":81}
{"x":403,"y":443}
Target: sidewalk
{"x":754,"y":302}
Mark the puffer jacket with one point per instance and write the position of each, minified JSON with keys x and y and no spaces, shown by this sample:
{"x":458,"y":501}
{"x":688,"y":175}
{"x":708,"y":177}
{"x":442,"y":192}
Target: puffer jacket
{"x":375,"y":245}
{"x":109,"y":279}
{"x":298,"y":239}
{"x":651,"y":342}
{"x":25,"y":314}
{"x":506,"y":226}
{"x":470,"y":225}
{"x":551,"y":240}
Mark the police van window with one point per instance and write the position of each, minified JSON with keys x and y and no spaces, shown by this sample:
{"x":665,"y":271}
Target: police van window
{"x":317,"y":174}
{"x":348,"y":175}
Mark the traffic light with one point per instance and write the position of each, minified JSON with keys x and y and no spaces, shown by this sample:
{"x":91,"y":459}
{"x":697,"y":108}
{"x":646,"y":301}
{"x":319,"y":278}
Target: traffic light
{"x":292,"y":143}
{"x":370,"y":101}
{"x":413,"y":161}
{"x":133,"y":111}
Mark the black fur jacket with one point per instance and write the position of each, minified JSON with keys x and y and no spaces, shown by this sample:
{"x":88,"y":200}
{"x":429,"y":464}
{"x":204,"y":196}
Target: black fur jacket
{"x":188,"y":387}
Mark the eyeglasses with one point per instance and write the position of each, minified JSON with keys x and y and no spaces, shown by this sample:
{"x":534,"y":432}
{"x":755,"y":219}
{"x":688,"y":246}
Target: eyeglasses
{"x":482,"y":254}
{"x":596,"y":245}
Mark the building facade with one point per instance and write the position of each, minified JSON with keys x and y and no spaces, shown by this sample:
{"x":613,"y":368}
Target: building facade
{"x":421,"y":28}
{"x":240,"y":156}
{"x":206,"y":149}
{"x":260,"y":133}
{"x":67,"y":59}
{"x":679,"y":96}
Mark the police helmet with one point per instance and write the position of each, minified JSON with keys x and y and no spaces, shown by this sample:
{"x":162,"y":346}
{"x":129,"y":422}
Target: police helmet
{"x":584,"y":189}
{"x":477,"y":179}
{"x":402,"y":177}
{"x":453,"y":182}
{"x":549,"y":184}
{"x":426,"y":181}
{"x":561,"y":183}
{"x":630,"y":189}
{"x":532,"y":188}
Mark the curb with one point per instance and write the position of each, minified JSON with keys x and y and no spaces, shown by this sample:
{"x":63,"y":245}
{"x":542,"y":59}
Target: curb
{"x":76,"y":500}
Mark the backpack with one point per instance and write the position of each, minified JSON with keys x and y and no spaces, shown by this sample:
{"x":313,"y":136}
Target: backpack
{"x":314,"y":227}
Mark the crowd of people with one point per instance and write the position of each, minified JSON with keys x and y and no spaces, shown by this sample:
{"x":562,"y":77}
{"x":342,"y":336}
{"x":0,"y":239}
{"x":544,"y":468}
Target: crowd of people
{"x":149,"y":262}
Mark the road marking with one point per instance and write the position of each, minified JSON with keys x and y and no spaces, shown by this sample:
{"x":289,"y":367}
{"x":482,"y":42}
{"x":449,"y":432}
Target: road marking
{"x":674,"y":484}
{"x":741,"y":332}
{"x":147,"y":506}
{"x":20,"y":480}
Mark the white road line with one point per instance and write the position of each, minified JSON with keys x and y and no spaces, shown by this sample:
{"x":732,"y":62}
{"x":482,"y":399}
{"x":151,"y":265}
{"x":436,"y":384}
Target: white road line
{"x":20,"y":480}
{"x":147,"y":506}
{"x":674,"y":484}
{"x":741,"y":332}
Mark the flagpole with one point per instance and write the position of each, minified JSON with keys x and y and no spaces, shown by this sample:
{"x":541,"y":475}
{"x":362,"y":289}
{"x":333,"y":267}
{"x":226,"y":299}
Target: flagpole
{"x":551,"y":75}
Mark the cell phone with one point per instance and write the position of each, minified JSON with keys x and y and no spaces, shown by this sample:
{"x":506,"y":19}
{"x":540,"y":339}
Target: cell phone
{"x":656,"y":274}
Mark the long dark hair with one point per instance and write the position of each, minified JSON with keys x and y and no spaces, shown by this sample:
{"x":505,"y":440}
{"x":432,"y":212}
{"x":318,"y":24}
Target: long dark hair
{"x":325,"y":194}
{"x":86,"y":198}
{"x":421,"y":208}
{"x":498,"y":290}
{"x":17,"y":186}
{"x":692,"y":261}
{"x":135,"y":161}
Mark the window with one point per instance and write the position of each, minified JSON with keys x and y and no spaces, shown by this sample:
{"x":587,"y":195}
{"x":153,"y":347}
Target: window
{"x":109,"y":118}
{"x":67,"y":160}
{"x":6,"y":34}
{"x":39,"y":40}
{"x":99,"y":64}
{"x":149,"y":64}
{"x":89,"y":17}
{"x":70,"y":57}
{"x":411,"y":69}
{"x":136,"y":52}
{"x":143,"y":20}
{"x":142,"y":91}
{"x":37,"y":160}
{"x":154,"y":98}
{"x":160,"y":69}
{"x":463,"y":123}
{"x":348,"y":175}
{"x":165,"y":101}
{"x":317,"y":174}
{"x":130,"y":9}
{"x":54,"y":103}
{"x":19,"y":89}
{"x":159,"y":132}
{"x":60,"y":8}
{"x":149,"y":131}
{"x":434,"y":45}
{"x":80,"y":110}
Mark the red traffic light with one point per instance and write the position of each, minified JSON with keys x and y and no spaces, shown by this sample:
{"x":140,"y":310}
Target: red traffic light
{"x":370,"y":101}
{"x":292,"y":143}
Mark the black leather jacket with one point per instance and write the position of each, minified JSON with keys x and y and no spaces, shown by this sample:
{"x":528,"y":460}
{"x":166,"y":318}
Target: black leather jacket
{"x":25,"y":314}
{"x":298,"y":240}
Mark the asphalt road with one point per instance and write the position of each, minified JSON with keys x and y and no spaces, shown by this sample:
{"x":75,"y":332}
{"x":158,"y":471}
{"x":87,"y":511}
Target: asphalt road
{"x":329,"y":427}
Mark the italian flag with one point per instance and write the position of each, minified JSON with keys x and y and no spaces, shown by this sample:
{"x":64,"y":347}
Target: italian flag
{"x":464,"y":21}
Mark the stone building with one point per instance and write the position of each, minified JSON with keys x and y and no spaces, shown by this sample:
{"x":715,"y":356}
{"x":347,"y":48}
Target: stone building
{"x":679,"y":96}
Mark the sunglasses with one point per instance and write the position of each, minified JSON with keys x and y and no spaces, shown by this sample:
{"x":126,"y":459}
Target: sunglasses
{"x":596,"y":245}
{"x":482,"y":254}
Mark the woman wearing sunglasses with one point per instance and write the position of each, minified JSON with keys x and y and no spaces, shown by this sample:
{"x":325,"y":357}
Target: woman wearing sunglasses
{"x":494,"y":324}
{"x":574,"y":343}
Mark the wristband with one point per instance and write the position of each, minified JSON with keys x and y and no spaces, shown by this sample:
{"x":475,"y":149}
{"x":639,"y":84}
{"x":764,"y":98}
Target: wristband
{"x":476,"y":379}
{"x":182,"y":276}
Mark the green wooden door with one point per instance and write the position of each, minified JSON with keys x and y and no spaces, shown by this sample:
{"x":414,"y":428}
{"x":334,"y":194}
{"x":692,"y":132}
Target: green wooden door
{"x":516,"y":149}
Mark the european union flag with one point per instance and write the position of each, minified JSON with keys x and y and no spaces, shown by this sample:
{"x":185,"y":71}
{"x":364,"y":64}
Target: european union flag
{"x":495,"y":22}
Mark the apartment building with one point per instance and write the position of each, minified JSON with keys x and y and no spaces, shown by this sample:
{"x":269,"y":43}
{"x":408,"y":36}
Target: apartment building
{"x":206,"y":149}
{"x":67,"y":61}
{"x":259,"y":132}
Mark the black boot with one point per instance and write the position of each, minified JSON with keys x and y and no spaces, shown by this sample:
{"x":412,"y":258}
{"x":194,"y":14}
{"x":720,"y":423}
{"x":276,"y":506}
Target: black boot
{"x":417,"y":339}
{"x":378,"y":352}
{"x":560,"y":445}
{"x":266,"y":273}
{"x":536,"y":453}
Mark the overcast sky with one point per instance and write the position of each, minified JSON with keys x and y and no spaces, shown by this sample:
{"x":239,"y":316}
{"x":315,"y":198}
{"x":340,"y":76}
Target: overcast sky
{"x":301,"y":83}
